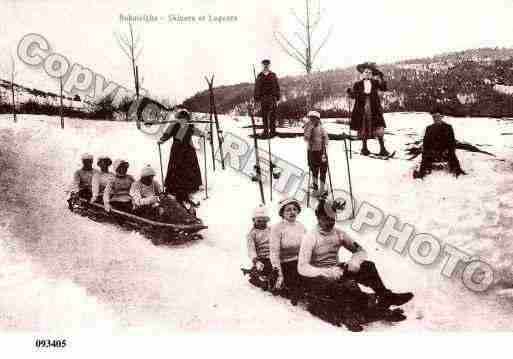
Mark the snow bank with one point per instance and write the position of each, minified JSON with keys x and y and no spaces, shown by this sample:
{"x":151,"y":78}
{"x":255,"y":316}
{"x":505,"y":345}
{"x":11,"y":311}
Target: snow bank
{"x":199,"y":286}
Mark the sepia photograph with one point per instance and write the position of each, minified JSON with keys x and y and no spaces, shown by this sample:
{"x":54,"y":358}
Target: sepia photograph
{"x":256,"y":178}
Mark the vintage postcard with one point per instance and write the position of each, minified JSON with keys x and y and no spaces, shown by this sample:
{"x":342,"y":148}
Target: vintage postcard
{"x":252,"y":172}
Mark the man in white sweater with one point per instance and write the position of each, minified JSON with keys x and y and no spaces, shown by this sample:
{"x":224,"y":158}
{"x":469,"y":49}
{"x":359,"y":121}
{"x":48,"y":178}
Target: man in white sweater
{"x":323,"y":274}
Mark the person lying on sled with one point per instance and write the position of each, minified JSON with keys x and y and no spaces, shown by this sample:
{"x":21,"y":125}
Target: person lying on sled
{"x":317,"y":140}
{"x":82,"y":179}
{"x":117,"y":191}
{"x":145,"y":194}
{"x":324,"y":275}
{"x":101,"y":178}
{"x":258,"y":248}
{"x":438,"y":145}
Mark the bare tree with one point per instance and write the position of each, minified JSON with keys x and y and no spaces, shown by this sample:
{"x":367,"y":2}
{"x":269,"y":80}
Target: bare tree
{"x":132,"y":47}
{"x":302,"y":48}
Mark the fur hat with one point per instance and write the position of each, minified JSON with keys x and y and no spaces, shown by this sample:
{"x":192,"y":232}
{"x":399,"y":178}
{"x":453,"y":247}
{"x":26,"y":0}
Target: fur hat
{"x":87,"y":156}
{"x":147,"y":171}
{"x":286,"y":201}
{"x":314,"y":114}
{"x":260,"y":211}
{"x":118,"y":163}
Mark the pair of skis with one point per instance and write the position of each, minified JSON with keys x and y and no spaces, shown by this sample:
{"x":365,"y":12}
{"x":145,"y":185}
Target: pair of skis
{"x":214,"y":118}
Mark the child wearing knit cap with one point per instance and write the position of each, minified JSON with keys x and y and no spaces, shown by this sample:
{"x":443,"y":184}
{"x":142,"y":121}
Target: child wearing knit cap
{"x":258,"y":241}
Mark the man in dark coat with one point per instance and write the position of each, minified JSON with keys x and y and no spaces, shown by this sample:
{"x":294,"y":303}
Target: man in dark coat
{"x":367,"y":117}
{"x":439,"y":145}
{"x":267,"y":92}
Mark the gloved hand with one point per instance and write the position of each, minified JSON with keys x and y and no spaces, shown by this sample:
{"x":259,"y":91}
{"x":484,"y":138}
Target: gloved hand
{"x":108,"y":207}
{"x":324,"y":158}
{"x":349,"y":91}
{"x":353,"y":265}
{"x":259,"y":266}
{"x":333,"y":273}
{"x":93,"y":199}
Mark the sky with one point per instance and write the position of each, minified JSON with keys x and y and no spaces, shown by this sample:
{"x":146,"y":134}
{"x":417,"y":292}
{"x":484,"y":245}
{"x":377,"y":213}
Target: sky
{"x":177,"y":56}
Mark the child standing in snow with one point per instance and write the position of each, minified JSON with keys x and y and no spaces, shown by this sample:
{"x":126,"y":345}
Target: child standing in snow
{"x":316,"y":138}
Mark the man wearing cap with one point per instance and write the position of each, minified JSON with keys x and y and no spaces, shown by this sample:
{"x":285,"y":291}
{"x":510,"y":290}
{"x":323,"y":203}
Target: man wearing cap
{"x":438,"y":145}
{"x":367,"y":116}
{"x":267,"y":92}
{"x":145,"y":193}
{"x":82,"y":178}
{"x":317,"y":139}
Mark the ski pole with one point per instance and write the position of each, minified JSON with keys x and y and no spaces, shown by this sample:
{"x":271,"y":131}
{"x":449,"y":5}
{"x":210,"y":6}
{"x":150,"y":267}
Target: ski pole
{"x":205,"y":165}
{"x":329,"y":172}
{"x":350,"y":141}
{"x":161,"y":170}
{"x":308,"y":188}
{"x":270,"y":162}
{"x":218,"y":129}
{"x":349,"y":178}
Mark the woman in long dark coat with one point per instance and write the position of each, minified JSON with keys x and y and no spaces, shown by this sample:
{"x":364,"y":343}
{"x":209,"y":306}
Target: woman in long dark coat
{"x":183,"y":176}
{"x":367,"y":117}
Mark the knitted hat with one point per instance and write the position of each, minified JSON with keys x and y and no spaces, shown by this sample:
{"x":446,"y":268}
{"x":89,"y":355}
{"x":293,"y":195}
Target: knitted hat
{"x":286,"y":201}
{"x":104,"y":158}
{"x":261,"y":211}
{"x":314,"y":114}
{"x":87,"y":156}
{"x":183,"y":114}
{"x":147,"y":171}
{"x":118,"y":163}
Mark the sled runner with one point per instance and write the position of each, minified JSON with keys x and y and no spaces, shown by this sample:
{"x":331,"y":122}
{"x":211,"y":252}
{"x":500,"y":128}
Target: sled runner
{"x":325,"y":308}
{"x":159,"y":232}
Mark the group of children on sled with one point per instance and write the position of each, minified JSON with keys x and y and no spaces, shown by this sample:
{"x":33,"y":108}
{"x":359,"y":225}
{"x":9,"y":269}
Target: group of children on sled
{"x":118,"y":189}
{"x":289,"y":260}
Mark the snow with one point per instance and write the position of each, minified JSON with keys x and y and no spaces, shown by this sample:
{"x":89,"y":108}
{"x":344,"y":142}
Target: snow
{"x":109,"y":279}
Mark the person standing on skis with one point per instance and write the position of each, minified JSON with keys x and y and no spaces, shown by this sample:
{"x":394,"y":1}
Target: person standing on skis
{"x":317,"y":140}
{"x":324,"y":275}
{"x":367,"y":116}
{"x":267,"y":92}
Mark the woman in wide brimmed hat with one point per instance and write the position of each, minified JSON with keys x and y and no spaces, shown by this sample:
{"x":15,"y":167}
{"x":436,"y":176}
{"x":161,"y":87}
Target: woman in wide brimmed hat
{"x":367,"y":116}
{"x":183,"y":176}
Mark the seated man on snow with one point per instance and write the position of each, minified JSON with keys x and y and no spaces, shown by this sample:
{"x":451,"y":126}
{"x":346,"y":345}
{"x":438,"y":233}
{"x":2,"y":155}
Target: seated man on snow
{"x":117,"y":192}
{"x":439,"y":145}
{"x":145,"y":193}
{"x":82,"y":179}
{"x":323,"y":274}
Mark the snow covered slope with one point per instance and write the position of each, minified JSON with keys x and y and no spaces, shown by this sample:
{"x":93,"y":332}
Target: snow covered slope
{"x":52,"y":258}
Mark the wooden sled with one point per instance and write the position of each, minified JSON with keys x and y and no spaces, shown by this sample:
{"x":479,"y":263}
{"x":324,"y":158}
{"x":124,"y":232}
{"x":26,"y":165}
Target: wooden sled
{"x":158,"y":232}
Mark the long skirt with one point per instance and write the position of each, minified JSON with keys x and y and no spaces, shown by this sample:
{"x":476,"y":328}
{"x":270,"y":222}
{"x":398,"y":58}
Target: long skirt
{"x":183,"y":172}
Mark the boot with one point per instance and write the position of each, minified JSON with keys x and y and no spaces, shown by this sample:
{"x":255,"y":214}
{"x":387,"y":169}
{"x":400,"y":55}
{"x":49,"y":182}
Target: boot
{"x":322,"y":188}
{"x":389,"y":298}
{"x":383,"y":151}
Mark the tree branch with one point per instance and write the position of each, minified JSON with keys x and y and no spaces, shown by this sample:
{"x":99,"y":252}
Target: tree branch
{"x":322,"y":44}
{"x":292,"y":47}
{"x":286,"y":50}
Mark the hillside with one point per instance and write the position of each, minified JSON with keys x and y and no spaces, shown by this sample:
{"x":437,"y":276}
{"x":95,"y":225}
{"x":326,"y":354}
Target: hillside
{"x":471,"y":83}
